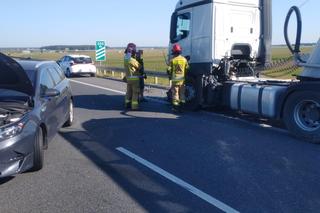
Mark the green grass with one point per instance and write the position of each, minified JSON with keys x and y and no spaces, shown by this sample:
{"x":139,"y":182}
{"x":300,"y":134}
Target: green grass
{"x":283,"y":52}
{"x":285,"y":70}
{"x":154,"y":59}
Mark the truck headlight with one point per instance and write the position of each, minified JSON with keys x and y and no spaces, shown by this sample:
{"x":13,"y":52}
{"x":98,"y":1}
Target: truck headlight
{"x":11,"y":131}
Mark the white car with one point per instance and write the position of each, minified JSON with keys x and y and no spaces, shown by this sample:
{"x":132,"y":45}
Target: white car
{"x":77,"y":65}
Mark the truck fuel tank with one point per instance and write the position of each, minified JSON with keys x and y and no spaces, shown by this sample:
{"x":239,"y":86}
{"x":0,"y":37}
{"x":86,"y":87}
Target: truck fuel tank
{"x":258,"y":99}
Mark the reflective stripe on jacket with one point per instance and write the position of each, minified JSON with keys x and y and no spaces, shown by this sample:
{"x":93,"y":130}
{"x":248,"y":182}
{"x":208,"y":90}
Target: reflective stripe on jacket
{"x":178,"y":68}
{"x":132,"y":68}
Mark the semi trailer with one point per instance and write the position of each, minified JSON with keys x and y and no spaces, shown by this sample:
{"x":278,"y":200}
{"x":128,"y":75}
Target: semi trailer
{"x":226,"y":41}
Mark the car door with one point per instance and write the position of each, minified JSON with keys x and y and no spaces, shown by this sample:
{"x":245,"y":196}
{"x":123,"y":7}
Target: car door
{"x":64,"y":64}
{"x":62,"y":102}
{"x":48,"y":105}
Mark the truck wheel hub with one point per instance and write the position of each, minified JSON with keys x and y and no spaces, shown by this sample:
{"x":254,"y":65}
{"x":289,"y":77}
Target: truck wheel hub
{"x":307,"y":115}
{"x":190,"y":93}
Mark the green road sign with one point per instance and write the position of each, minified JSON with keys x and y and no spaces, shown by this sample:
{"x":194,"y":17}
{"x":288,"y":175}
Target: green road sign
{"x":100,"y":50}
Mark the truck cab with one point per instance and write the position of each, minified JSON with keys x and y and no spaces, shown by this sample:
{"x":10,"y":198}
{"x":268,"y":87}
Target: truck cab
{"x":210,"y":30}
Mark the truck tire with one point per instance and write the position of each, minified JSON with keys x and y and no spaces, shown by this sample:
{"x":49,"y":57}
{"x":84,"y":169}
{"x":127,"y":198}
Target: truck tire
{"x":38,"y":151}
{"x":302,"y":115}
{"x":193,"y":93}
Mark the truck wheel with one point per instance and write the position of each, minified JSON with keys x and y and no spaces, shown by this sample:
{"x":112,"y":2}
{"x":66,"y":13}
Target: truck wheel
{"x":38,"y":151}
{"x":302,"y":115}
{"x":193,"y":93}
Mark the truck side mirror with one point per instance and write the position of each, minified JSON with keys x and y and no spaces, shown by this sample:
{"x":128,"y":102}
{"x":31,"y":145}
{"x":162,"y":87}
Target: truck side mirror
{"x":173,"y":30}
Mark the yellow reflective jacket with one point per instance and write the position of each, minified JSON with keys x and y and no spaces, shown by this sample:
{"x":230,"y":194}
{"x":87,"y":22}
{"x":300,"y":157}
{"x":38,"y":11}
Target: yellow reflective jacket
{"x":177,"y":69}
{"x":132,"y":68}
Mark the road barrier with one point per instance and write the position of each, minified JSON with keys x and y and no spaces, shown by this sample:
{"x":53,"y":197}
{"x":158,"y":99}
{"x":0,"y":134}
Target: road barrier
{"x":277,"y":69}
{"x":112,"y":71}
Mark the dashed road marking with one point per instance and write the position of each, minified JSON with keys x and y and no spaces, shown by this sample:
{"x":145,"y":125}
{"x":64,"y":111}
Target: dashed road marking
{"x":99,"y":87}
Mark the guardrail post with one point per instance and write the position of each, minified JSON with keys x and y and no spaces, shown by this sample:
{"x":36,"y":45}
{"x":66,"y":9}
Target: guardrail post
{"x":119,"y":72}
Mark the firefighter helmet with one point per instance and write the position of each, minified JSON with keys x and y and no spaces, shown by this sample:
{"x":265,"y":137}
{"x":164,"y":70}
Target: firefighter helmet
{"x":176,"y":49}
{"x":131,"y":48}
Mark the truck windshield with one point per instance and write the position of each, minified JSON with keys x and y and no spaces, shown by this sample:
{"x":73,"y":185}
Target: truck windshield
{"x":181,"y":27}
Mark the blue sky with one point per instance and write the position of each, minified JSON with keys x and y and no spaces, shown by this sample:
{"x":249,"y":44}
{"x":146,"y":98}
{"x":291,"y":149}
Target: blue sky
{"x":35,"y":23}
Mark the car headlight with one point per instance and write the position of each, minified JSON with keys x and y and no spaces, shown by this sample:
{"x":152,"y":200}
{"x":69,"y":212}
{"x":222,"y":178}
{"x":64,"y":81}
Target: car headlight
{"x":11,"y":131}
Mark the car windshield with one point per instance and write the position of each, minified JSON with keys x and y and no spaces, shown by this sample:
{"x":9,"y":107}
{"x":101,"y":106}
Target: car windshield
{"x":82,"y":60}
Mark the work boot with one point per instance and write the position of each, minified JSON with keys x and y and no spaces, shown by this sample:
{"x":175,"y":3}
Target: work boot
{"x":128,"y":105}
{"x":176,"y":109}
{"x":182,"y":105}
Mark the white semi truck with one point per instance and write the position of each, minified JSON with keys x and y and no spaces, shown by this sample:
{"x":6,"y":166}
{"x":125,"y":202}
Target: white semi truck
{"x":225,"y":41}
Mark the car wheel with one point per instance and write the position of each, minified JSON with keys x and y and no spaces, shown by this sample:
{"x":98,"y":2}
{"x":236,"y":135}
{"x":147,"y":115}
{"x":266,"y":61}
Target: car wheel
{"x":302,"y":115}
{"x":93,"y":75}
{"x":38,"y":152}
{"x":69,"y":122}
{"x":68,"y":73}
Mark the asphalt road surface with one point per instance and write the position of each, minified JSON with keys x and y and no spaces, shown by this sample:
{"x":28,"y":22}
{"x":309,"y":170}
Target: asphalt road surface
{"x":111,"y":160}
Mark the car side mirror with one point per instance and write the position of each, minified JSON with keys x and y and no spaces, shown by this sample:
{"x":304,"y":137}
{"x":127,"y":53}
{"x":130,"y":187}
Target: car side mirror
{"x":50,"y":93}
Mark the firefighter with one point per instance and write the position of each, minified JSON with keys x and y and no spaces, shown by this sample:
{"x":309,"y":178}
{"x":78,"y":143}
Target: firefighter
{"x":132,"y":68}
{"x":177,"y":71}
{"x":143,"y":75}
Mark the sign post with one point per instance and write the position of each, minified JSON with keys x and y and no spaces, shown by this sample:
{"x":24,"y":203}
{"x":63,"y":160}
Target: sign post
{"x":100,"y":51}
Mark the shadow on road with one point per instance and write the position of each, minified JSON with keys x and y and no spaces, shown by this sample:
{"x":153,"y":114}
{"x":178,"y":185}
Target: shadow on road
{"x":5,"y":180}
{"x":98,"y":143}
{"x":229,"y":159}
{"x":115,"y":103}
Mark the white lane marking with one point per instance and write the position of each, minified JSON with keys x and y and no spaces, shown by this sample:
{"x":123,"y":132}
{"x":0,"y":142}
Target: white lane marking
{"x":178,"y":181}
{"x":116,"y":91}
{"x":99,"y":87}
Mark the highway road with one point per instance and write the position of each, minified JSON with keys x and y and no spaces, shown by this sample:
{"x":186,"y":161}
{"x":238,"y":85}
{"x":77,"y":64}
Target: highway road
{"x":112,"y":160}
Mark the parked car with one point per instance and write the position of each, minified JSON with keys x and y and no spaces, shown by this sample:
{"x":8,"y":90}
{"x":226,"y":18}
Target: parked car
{"x":77,"y":65}
{"x":35,"y":101}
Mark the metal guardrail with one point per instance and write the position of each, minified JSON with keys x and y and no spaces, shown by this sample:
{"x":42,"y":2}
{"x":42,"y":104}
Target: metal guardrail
{"x":121,"y":70}
{"x":155,"y":74}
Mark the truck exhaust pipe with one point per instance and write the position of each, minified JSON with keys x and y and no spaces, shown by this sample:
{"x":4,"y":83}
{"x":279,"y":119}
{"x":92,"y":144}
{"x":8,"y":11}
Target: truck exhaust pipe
{"x":264,"y":55}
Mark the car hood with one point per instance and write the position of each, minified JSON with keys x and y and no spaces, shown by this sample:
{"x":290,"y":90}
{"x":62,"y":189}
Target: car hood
{"x":13,"y":76}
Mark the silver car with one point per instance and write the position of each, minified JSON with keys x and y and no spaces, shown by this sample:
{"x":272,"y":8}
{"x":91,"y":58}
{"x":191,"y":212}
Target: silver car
{"x":35,"y":102}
